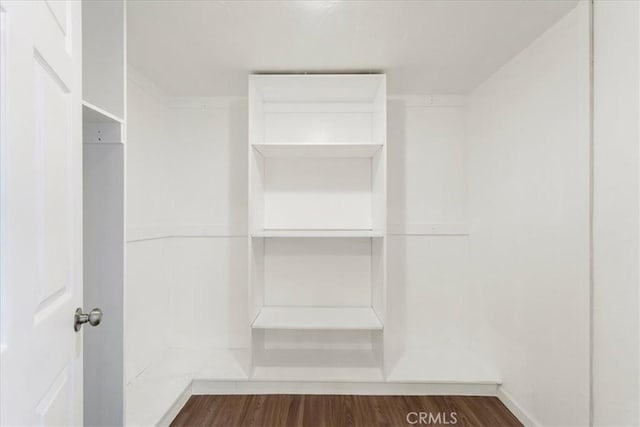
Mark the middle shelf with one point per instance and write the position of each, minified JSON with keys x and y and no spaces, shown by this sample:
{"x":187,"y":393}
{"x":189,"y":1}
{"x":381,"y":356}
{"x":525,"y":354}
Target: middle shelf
{"x":326,"y":318}
{"x":316,"y":233}
{"x":307,"y":150}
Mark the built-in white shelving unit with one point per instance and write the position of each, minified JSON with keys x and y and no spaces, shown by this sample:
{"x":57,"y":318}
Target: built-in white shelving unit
{"x":317,"y":225}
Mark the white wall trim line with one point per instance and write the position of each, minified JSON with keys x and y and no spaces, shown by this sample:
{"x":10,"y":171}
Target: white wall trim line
{"x":410,"y":101}
{"x":200,"y":102}
{"x":139,"y":233}
{"x":428,"y":229}
{"x":507,"y":399}
{"x":419,"y":101}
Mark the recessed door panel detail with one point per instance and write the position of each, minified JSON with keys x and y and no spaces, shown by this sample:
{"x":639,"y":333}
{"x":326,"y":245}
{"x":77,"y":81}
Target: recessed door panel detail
{"x":54,"y":408}
{"x":52,"y":151}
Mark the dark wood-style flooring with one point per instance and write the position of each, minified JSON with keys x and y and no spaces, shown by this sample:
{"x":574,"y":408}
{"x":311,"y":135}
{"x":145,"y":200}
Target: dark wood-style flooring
{"x":337,"y":411}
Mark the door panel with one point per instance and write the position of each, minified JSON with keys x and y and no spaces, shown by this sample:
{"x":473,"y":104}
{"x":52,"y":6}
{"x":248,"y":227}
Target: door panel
{"x":41,"y":174}
{"x":52,"y":150}
{"x":59,"y":9}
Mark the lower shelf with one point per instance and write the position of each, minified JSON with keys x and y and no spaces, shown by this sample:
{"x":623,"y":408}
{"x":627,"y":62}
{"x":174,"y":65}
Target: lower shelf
{"x":317,"y":373}
{"x":327,"y":318}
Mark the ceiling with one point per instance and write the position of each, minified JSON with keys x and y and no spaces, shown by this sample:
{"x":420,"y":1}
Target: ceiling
{"x":207,"y":48}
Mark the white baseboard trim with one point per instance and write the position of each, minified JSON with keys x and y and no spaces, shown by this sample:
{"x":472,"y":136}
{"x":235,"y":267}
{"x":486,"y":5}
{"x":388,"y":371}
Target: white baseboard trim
{"x":507,"y":399}
{"x":177,"y":406}
{"x":202,"y":387}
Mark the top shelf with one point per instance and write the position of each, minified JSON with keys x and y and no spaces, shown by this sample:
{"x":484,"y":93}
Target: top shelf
{"x":93,"y":114}
{"x":318,"y":150}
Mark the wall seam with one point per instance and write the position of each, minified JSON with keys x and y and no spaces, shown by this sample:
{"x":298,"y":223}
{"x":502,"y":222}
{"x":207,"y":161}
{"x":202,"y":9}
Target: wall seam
{"x":591,"y":204}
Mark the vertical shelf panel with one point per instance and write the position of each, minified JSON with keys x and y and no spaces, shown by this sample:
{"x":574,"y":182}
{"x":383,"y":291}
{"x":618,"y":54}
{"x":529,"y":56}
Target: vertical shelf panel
{"x":103,"y":269}
{"x":103,"y":122}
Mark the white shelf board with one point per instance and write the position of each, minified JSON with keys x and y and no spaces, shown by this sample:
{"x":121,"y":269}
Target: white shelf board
{"x":316,"y":233}
{"x":325,"y":318}
{"x":339,"y":150}
{"x":94,"y":114}
{"x":317,"y":373}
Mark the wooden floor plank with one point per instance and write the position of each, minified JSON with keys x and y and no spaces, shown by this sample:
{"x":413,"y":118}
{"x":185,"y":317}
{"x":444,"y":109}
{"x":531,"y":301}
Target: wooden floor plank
{"x":287,"y":410}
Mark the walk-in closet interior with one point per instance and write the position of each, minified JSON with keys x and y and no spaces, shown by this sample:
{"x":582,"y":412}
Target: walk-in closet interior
{"x":354,"y":197}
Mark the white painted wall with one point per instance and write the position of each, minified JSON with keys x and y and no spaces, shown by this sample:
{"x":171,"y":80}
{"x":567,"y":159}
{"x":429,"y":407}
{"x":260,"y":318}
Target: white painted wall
{"x":149,"y":155}
{"x":148,"y":207}
{"x":528,"y":136}
{"x":209,"y":161}
{"x":188,"y":168}
{"x":616,"y":334}
{"x":427,"y":160}
{"x":209,"y":190}
{"x":208,"y":299}
{"x":428,"y":293}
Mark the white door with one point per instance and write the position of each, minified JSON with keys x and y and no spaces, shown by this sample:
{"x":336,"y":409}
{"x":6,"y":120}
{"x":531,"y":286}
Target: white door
{"x":41,"y":252}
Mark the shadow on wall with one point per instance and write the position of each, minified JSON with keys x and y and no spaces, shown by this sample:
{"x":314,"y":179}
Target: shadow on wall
{"x":396,"y":260}
{"x":238,"y":208}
